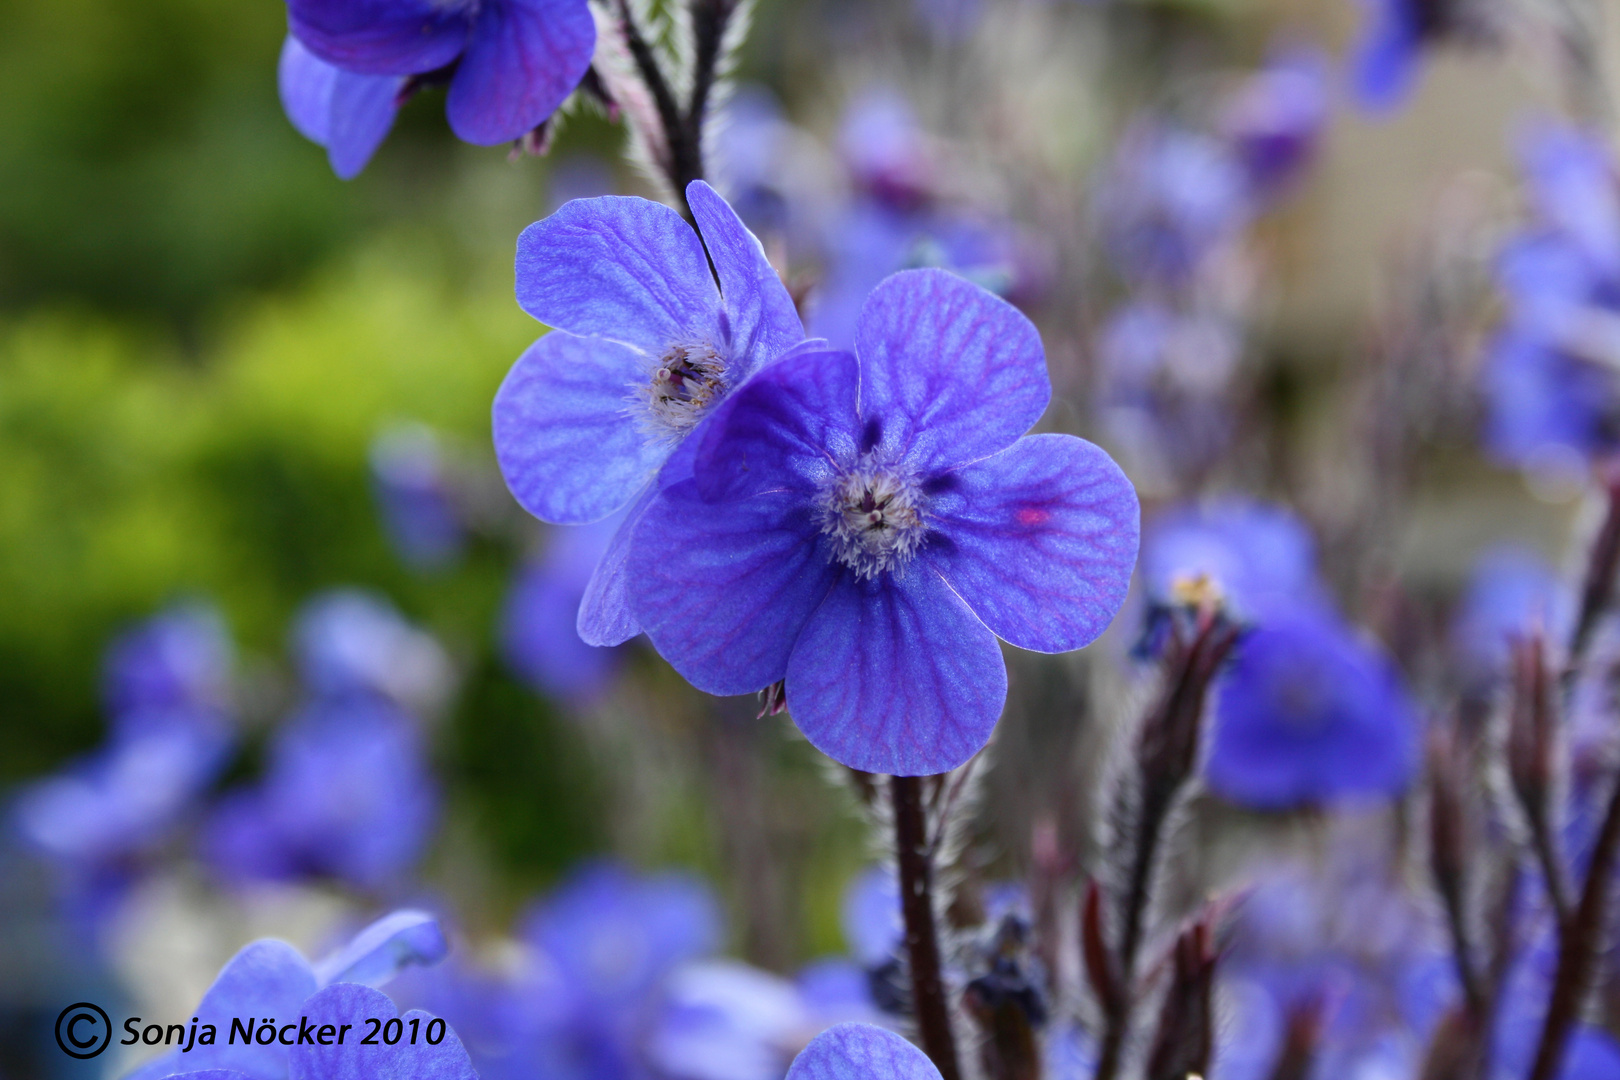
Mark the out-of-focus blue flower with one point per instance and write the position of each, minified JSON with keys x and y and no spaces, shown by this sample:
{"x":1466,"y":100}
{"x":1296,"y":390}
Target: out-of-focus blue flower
{"x":415,"y":497}
{"x":885,"y":150}
{"x":871,"y":916}
{"x":346,"y":793}
{"x":861,"y":1050}
{"x":271,"y":979}
{"x":1310,"y":714}
{"x":1511,"y":594}
{"x":1275,"y":120}
{"x":539,"y":624}
{"x":177,"y":660}
{"x":1575,"y":189}
{"x":509,"y":65}
{"x":638,"y":318}
{"x":349,"y":643}
{"x":1256,"y":558}
{"x":1169,"y":200}
{"x":869,"y":548}
{"x":1590,"y":1054}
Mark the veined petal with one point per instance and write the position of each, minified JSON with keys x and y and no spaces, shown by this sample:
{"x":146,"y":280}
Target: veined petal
{"x":605,"y":617}
{"x":382,"y":37}
{"x":722,"y":590}
{"x":783,"y":428}
{"x":952,"y":372}
{"x":353,"y":1004}
{"x":621,"y":268}
{"x":377,"y":953}
{"x":894,"y":674}
{"x":524,"y":58}
{"x":567,"y":444}
{"x":764,"y":322}
{"x":1040,"y":540}
{"x":861,"y":1052}
{"x":363,"y":110}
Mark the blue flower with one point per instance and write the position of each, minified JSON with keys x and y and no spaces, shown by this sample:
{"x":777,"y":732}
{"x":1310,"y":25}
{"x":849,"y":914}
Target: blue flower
{"x":645,"y":345}
{"x":1391,"y":43}
{"x":177,"y":660}
{"x":347,"y":793}
{"x":847,"y":1051}
{"x":865,"y":525}
{"x":270,"y":979}
{"x":539,"y":635}
{"x":413,"y":486}
{"x":1256,"y":558}
{"x":1310,"y":714}
{"x":349,"y":643}
{"x":1168,"y":201}
{"x":1275,"y":121}
{"x":509,"y":65}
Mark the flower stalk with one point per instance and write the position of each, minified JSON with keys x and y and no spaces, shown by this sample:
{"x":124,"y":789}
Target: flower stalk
{"x":914,"y":859}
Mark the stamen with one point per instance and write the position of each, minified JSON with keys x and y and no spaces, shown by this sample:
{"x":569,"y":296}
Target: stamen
{"x":686,"y":382}
{"x":874,"y":517}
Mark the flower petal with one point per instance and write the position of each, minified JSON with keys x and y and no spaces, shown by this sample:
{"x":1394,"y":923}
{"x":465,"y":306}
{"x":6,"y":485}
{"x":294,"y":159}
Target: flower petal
{"x":620,"y":268}
{"x":567,"y":447}
{"x":1040,"y":540}
{"x":377,"y":953}
{"x":524,"y":58}
{"x":363,"y":110}
{"x":266,"y":978}
{"x":783,"y":428}
{"x":722,"y":590}
{"x":605,"y":617}
{"x":382,"y":37}
{"x":1387,"y":59}
{"x":305,"y":83}
{"x":896,"y":675}
{"x":764,"y":322}
{"x":353,"y":1004}
{"x":952,"y":372}
{"x":861,"y":1052}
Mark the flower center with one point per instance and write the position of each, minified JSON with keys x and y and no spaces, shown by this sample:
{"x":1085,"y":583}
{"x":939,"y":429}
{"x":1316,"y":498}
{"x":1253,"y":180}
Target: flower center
{"x":688,"y":379}
{"x":874,"y":518}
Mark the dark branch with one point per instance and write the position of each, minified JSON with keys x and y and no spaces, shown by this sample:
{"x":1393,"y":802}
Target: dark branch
{"x":929,"y":999}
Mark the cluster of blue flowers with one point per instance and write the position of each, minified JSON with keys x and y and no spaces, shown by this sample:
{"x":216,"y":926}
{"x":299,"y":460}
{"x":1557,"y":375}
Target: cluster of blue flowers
{"x":858,"y":525}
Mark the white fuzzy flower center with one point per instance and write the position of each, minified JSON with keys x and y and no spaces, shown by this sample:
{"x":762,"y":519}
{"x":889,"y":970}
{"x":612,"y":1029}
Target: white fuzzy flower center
{"x":688,"y":380}
{"x":874,"y":517}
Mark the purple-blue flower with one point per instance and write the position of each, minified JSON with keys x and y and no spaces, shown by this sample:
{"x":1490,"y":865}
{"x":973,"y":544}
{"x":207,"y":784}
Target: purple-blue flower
{"x":864,"y":526}
{"x":644,"y":345}
{"x":1512,"y":593}
{"x":179,"y":659}
{"x":1310,"y":714}
{"x":509,"y":65}
{"x":416,"y":497}
{"x":1276,"y":119}
{"x":1256,"y":558}
{"x":269,"y":978}
{"x":861,"y":1052}
{"x":539,"y":632}
{"x":349,"y":643}
{"x":347,"y":793}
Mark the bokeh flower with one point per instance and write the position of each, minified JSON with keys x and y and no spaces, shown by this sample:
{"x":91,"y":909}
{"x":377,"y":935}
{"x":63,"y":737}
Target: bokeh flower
{"x":413,"y":485}
{"x":865,"y":525}
{"x":645,"y":345}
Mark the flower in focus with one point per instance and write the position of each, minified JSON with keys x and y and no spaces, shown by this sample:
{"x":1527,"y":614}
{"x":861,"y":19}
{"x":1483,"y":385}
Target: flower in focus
{"x":1310,"y":714}
{"x":509,"y":65}
{"x":412,"y":485}
{"x":865,"y":525}
{"x":539,"y":634}
{"x":270,"y":979}
{"x":861,"y":1050}
{"x":645,"y":345}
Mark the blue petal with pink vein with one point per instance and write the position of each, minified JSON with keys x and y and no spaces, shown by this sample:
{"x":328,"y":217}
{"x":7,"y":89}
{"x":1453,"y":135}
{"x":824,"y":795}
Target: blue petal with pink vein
{"x":620,"y":268}
{"x":896,"y":675}
{"x":1040,"y":540}
{"x":524,"y":58}
{"x":952,"y":372}
{"x":566,"y":445}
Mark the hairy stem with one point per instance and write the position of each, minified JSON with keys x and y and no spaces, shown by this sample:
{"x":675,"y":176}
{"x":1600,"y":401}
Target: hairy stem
{"x":928,"y":994}
{"x":1597,"y":592}
{"x":1580,"y":942}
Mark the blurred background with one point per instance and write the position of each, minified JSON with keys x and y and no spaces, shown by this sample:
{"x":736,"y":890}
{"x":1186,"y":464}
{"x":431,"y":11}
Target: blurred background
{"x":254,"y":399}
